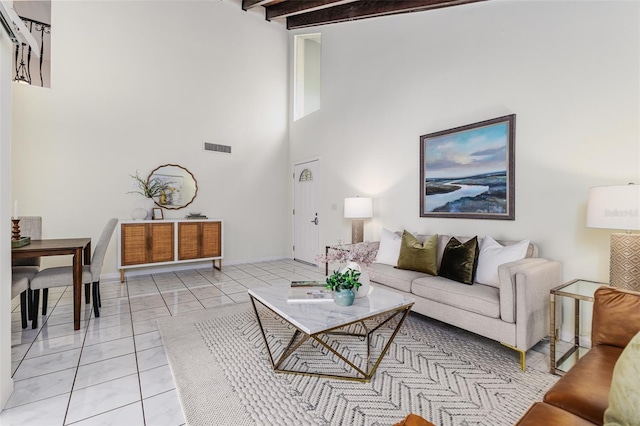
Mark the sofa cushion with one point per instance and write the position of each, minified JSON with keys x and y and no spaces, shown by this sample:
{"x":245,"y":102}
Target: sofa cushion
{"x":584,"y":390}
{"x":389,"y":248}
{"x":625,"y":393}
{"x":614,"y":306}
{"x":418,"y":256}
{"x":459,"y":260}
{"x":541,"y":413}
{"x":414,"y":420}
{"x":400,"y":279}
{"x":493,"y":254}
{"x":478,"y":298}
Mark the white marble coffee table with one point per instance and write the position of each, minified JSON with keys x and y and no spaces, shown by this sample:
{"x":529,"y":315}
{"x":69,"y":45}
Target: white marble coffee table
{"x":320,"y":321}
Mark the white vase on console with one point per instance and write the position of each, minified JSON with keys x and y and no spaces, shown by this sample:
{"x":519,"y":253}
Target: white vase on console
{"x":149,"y":204}
{"x":144,"y":210}
{"x":365,"y":284}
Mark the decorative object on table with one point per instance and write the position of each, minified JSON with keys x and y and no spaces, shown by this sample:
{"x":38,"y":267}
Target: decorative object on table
{"x":157,"y":213}
{"x":358,"y":257}
{"x":195,"y":215}
{"x":309,"y":291}
{"x":342,"y":284}
{"x":618,"y":207}
{"x":15,"y":230}
{"x":357,"y":209}
{"x":139,"y":214}
{"x":469,"y":171}
{"x":150,"y":189}
{"x":20,"y":242}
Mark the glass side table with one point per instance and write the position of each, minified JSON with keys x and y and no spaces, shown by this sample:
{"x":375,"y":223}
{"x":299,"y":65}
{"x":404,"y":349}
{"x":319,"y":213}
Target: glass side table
{"x":579,"y":290}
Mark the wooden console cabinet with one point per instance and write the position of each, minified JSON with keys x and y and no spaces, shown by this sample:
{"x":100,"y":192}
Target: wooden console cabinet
{"x":151,"y":242}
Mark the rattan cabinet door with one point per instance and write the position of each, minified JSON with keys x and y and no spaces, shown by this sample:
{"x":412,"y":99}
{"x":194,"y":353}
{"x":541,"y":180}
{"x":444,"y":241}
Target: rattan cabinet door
{"x":162,"y":242}
{"x":211,"y":239}
{"x":189,"y":240}
{"x":199,"y":240}
{"x":146,"y":243}
{"x":134,"y":243}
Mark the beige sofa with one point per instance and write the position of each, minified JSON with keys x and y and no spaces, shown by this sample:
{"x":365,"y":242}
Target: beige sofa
{"x":515,"y":313}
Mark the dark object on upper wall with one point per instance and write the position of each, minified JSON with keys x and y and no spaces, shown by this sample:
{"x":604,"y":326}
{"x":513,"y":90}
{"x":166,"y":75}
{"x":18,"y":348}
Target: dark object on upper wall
{"x":469,"y":172}
{"x":309,"y":13}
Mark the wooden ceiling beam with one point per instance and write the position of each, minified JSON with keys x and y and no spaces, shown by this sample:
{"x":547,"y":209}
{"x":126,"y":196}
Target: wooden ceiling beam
{"x":289,"y":8}
{"x":367,"y":9}
{"x":248,"y":4}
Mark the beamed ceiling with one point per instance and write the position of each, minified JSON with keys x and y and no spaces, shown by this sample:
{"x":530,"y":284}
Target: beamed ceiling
{"x":309,"y":13}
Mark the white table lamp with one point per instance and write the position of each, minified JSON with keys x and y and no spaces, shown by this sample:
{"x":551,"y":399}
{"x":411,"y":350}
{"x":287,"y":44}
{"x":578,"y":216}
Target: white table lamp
{"x":618,"y":207}
{"x":358,"y":209}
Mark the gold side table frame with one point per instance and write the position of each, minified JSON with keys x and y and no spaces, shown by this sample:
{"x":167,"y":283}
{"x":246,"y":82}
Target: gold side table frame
{"x":299,"y":337}
{"x":578,"y":290}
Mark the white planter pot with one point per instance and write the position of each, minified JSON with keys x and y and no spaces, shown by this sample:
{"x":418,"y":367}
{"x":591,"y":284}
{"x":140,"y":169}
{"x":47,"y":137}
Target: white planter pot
{"x":365,"y":284}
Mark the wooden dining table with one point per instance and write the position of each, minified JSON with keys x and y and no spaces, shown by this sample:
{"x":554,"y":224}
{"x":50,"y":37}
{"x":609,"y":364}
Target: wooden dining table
{"x":79,"y":248}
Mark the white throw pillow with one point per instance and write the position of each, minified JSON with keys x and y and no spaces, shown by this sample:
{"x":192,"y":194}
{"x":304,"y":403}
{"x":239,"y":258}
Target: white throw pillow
{"x":493,"y":254}
{"x":389,"y":249}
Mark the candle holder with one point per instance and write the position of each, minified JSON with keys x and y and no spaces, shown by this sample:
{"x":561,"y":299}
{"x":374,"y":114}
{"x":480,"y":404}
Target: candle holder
{"x":15,"y":230}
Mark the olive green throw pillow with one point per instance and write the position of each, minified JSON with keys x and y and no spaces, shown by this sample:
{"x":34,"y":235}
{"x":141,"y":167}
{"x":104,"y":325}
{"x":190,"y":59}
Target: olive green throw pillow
{"x":417,"y":256}
{"x":460,"y":260}
{"x":624,"y":394}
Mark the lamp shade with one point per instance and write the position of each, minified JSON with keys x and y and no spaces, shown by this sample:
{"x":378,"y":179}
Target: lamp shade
{"x":614,"y":207}
{"x":358,"y":208}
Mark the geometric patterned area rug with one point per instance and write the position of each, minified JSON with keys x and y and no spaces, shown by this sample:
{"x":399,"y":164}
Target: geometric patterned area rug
{"x":224,"y":377}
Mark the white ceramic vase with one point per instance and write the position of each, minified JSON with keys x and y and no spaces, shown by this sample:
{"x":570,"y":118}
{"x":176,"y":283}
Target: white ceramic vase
{"x":365,"y":284}
{"x":138,"y":214}
{"x":149,"y":204}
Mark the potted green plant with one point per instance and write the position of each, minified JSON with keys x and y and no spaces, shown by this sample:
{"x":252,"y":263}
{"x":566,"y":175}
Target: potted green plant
{"x":343,"y":284}
{"x":358,"y":256}
{"x":149,"y":188}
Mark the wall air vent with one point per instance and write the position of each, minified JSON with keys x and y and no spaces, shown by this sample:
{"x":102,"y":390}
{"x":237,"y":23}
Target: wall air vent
{"x":214,"y":147}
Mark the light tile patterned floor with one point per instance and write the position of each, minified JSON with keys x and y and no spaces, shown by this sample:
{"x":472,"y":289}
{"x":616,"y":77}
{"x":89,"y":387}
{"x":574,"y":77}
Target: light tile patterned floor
{"x":114,"y":371}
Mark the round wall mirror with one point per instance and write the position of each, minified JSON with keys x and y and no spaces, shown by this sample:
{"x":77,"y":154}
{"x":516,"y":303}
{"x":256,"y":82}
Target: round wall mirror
{"x":177,"y":187}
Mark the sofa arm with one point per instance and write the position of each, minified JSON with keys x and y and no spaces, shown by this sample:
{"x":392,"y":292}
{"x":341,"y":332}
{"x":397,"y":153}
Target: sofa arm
{"x":524,"y":297}
{"x":616,"y":316}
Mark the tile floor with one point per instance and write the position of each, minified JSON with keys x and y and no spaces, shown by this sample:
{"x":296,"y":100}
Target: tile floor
{"x":114,"y":371}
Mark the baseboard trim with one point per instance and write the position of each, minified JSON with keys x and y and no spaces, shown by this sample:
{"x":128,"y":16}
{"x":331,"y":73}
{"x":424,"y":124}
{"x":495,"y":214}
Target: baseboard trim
{"x":146,"y":270}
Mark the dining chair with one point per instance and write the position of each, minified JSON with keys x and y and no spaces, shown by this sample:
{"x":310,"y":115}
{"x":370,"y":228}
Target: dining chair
{"x":30,"y":226}
{"x":20,"y":286}
{"x":63,"y":275}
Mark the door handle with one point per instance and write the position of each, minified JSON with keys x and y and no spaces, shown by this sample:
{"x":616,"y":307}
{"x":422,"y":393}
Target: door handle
{"x":315,"y":221}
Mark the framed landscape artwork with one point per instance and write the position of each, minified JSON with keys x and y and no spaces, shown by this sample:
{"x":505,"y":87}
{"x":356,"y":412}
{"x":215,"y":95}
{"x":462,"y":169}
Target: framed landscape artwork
{"x":468,"y":172}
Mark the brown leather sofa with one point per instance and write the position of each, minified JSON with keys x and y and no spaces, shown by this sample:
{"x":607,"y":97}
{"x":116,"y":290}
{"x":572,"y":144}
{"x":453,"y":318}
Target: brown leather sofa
{"x":581,"y":396}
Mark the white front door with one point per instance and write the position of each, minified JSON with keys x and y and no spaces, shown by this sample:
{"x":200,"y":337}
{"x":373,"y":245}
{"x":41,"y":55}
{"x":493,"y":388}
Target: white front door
{"x":306,"y":222}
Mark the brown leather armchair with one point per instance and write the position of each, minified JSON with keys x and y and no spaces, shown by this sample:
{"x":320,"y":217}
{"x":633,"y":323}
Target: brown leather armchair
{"x":581,"y":396}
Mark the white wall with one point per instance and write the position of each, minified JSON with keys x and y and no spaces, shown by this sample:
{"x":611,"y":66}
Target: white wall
{"x":568,"y":70}
{"x":140,"y":84}
{"x":6,"y":382}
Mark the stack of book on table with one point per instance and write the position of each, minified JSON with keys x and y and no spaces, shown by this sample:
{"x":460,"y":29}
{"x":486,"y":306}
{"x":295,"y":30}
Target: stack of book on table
{"x":309,"y":291}
{"x":195,"y":216}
